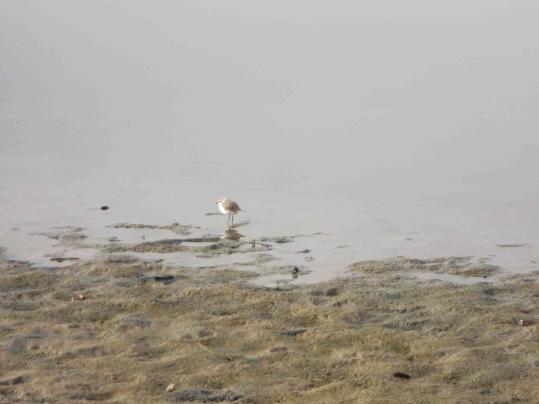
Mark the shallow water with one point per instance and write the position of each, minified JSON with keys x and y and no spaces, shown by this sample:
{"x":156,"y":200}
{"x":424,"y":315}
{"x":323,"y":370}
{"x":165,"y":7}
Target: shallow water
{"x":401,"y":130}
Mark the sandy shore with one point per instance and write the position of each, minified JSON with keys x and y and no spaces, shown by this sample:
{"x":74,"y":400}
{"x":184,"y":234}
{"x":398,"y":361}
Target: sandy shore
{"x":120,"y":329}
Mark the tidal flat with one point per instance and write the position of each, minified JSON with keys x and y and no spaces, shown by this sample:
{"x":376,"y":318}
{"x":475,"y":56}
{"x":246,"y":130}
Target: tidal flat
{"x":120,"y":328}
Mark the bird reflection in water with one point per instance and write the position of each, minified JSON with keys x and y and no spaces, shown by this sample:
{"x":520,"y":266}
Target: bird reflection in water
{"x":232,"y":234}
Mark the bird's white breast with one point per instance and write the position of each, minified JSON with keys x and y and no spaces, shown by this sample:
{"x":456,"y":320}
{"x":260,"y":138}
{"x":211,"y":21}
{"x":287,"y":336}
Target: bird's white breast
{"x":222,"y":209}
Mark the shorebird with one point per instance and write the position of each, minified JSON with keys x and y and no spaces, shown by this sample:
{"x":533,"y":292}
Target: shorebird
{"x":228,"y":207}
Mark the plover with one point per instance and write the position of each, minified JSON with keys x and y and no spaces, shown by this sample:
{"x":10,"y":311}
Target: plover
{"x":228,"y":207}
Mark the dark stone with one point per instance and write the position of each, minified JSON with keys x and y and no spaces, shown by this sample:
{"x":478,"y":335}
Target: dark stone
{"x":165,"y":279}
{"x":401,"y":375}
{"x":104,"y":207}
{"x":295,"y":270}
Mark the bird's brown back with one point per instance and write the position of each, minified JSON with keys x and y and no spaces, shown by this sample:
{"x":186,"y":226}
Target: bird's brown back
{"x":231,"y":205}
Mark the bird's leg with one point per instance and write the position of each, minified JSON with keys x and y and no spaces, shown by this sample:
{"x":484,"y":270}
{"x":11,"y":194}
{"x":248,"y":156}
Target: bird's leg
{"x":232,"y":219}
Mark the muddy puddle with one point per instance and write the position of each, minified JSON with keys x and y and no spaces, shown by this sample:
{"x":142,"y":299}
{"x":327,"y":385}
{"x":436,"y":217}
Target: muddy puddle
{"x":186,"y":245}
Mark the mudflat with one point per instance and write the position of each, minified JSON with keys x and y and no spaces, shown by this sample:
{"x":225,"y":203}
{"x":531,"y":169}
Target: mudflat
{"x":119,"y":328}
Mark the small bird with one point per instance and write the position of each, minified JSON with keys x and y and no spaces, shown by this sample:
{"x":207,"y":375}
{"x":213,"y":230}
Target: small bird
{"x":228,"y":207}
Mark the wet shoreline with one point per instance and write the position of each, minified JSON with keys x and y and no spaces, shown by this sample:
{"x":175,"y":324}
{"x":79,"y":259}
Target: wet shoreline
{"x":274,"y":257}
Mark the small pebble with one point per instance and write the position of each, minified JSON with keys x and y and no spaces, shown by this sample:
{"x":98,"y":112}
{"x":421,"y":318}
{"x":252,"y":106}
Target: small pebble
{"x":295,"y":270}
{"x":170,"y":387}
{"x":401,"y":375}
{"x":525,"y":323}
{"x":166,"y":279}
{"x":295,"y":332}
{"x":81,"y":297}
{"x":104,"y":207}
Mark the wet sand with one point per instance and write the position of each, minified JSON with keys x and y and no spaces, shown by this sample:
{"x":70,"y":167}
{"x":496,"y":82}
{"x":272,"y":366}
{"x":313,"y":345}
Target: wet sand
{"x":120,"y":328}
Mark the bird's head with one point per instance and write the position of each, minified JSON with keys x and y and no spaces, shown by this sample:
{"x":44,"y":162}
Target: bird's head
{"x":220,"y":200}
